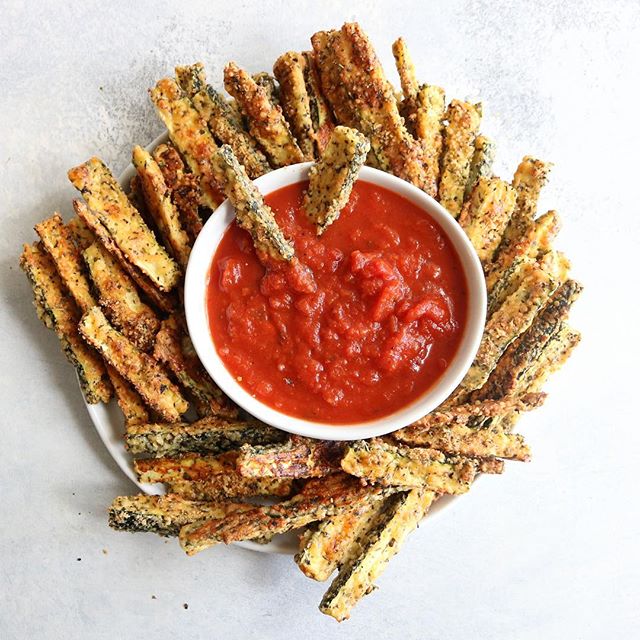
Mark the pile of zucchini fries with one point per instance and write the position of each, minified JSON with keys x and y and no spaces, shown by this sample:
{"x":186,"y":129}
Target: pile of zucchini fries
{"x":109,"y":284}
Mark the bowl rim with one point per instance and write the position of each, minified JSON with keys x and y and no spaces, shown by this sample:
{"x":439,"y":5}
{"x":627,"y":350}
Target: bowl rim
{"x":195,"y":290}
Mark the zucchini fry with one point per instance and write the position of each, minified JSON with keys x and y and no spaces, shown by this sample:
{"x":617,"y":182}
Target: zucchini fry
{"x":289,"y":70}
{"x":526,"y":351}
{"x":295,"y":458}
{"x":320,"y":499}
{"x":129,"y":400}
{"x":335,"y":541}
{"x":158,"y":200}
{"x":331,"y":179}
{"x":59,"y":312}
{"x":119,"y":298}
{"x":164,"y":515}
{"x":459,"y":135}
{"x":230,"y":486}
{"x":142,"y":371}
{"x":469,"y":441}
{"x":474,"y":414}
{"x":401,"y":515}
{"x":354,"y":83}
{"x":390,"y":465}
{"x":58,"y":242}
{"x":193,"y":475}
{"x":531,"y":175}
{"x":80,"y":233}
{"x":206,"y":436}
{"x":427,"y":126}
{"x":268,"y":83}
{"x":173,"y":348}
{"x":221,"y":120}
{"x":184,"y":188}
{"x":124,"y":224}
{"x":509,"y":321}
{"x":486,"y":214}
{"x":191,"y":78}
{"x":406,"y":69}
{"x":252,"y":213}
{"x":535,"y":242}
{"x":160,"y":299}
{"x":321,"y":115}
{"x":484,"y":153}
{"x":190,"y":135}
{"x":266,"y":122}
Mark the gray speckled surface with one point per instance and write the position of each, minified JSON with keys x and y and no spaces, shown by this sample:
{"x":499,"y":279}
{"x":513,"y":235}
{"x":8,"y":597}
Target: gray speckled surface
{"x":548,"y":551}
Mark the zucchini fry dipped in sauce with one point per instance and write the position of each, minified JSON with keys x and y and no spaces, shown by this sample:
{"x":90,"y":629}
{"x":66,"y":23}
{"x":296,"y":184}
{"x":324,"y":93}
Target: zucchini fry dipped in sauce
{"x":190,"y":135}
{"x":138,"y":368}
{"x":400,"y":516}
{"x":206,"y":436}
{"x":160,"y":207}
{"x":331,"y":179}
{"x":58,"y":311}
{"x":252,"y":213}
{"x":459,"y":135}
{"x":124,"y":224}
{"x":266,"y":122}
{"x":119,"y":298}
{"x":321,"y":498}
{"x":174,"y":348}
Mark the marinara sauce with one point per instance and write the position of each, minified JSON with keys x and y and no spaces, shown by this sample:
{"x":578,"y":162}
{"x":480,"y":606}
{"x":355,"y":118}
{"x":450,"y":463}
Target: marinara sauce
{"x":361,"y":324}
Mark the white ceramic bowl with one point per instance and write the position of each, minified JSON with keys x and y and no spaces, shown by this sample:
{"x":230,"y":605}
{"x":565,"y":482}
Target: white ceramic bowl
{"x":195,"y":291}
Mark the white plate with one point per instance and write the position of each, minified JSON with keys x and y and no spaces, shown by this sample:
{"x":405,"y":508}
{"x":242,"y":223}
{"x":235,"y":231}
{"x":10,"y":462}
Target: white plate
{"x":109,"y":423}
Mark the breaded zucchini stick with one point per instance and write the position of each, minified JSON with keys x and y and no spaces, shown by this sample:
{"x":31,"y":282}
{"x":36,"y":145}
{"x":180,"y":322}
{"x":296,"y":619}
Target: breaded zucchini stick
{"x":190,"y":135}
{"x":59,"y":312}
{"x":459,"y":135}
{"x":289,"y":70}
{"x":321,"y":115}
{"x":486,"y":214}
{"x":320,"y":499}
{"x":406,"y":69}
{"x":193,"y":475}
{"x":266,"y":122}
{"x":461,"y":440}
{"x":427,"y":126}
{"x":531,"y":175}
{"x":484,"y":153}
{"x":265,"y":80}
{"x":184,"y":188}
{"x":526,"y":351}
{"x":164,"y":515}
{"x":142,"y":371}
{"x":124,"y":224}
{"x":119,"y":298}
{"x":377,"y":461}
{"x":355,"y":85}
{"x":80,"y":233}
{"x":335,"y":541}
{"x":401,"y":515}
{"x":158,"y":200}
{"x":295,"y":458}
{"x":191,"y":78}
{"x":534,"y":243}
{"x":205,"y":436}
{"x":58,"y":242}
{"x":221,"y":120}
{"x":252,"y":213}
{"x":160,"y":299}
{"x":509,"y":321}
{"x":129,"y":400}
{"x":173,"y":348}
{"x":331,"y":179}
